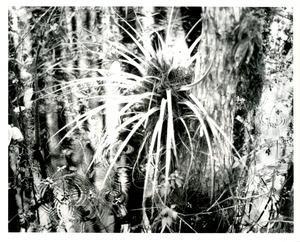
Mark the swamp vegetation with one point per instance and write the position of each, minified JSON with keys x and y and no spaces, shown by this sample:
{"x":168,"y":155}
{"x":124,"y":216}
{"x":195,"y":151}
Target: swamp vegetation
{"x":150,"y":119}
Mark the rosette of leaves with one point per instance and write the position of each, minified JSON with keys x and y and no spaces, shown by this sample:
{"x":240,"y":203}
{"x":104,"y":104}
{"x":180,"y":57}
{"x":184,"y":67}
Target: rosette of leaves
{"x":158,"y":111}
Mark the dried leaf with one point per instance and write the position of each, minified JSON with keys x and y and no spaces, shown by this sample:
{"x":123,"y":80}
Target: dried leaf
{"x":16,"y":134}
{"x":19,"y":109}
{"x":27,"y":98}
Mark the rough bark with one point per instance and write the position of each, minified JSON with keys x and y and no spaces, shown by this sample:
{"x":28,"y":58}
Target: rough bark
{"x":217,"y":90}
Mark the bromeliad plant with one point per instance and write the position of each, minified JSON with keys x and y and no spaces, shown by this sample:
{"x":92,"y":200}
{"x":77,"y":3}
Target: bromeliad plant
{"x":169,"y":128}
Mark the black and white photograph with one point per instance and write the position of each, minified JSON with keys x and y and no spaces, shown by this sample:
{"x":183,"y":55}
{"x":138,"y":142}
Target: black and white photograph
{"x":150,"y":119}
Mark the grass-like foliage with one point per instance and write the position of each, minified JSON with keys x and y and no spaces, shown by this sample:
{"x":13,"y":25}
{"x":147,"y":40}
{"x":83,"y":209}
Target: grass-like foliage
{"x":167,"y":125}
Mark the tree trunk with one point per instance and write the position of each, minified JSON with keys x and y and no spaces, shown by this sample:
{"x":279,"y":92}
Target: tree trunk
{"x":217,"y":89}
{"x":223,"y":37}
